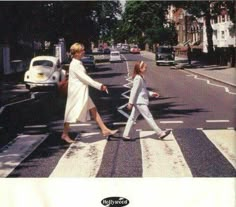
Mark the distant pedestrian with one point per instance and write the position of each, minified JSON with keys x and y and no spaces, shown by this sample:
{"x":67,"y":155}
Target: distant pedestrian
{"x":79,"y":102}
{"x":189,"y":54}
{"x":138,"y":102}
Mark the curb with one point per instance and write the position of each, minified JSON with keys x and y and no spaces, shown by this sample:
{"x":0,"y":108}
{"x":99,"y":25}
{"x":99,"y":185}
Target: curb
{"x":210,"y":77}
{"x":186,"y":69}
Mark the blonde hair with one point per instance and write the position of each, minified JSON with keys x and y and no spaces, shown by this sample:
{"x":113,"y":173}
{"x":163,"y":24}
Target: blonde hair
{"x":76,"y":47}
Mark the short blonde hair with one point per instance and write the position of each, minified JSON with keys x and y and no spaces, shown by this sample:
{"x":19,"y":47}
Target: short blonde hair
{"x":76,"y":47}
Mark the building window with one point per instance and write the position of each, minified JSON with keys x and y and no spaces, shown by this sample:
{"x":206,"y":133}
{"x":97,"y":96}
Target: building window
{"x":183,"y":28}
{"x":215,"y":33}
{"x":214,"y":20}
{"x":223,"y":18}
{"x":222,"y":34}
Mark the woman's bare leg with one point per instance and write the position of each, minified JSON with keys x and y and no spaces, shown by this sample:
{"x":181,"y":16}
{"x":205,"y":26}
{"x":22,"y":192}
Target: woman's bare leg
{"x":96,"y":116}
{"x":65,"y":136}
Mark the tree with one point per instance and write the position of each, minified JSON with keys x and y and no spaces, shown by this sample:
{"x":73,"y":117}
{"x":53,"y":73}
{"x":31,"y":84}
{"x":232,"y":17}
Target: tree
{"x":42,"y":20}
{"x":144,"y":21}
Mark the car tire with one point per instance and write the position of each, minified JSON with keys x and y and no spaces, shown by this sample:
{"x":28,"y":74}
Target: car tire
{"x":27,"y":86}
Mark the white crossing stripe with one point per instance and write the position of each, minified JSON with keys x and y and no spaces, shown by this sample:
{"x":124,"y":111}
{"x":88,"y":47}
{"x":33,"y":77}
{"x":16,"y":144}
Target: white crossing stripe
{"x":119,"y":123}
{"x":171,"y":122}
{"x":215,"y":121}
{"x":162,"y":158}
{"x":225,"y":141}
{"x":82,"y":159}
{"x":35,"y":126}
{"x":16,"y":151}
{"x":80,"y":124}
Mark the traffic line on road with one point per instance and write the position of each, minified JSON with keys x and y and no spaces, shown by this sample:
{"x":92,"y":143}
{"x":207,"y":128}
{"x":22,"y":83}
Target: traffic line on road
{"x":162,"y":158}
{"x":83,"y":158}
{"x":119,"y":123}
{"x":35,"y":126}
{"x":17,"y":150}
{"x":123,"y":113}
{"x":209,"y":83}
{"x":202,"y":156}
{"x":81,"y":124}
{"x":124,"y":94}
{"x":127,"y":85}
{"x":127,"y":65}
{"x":225,"y":141}
{"x":171,"y":122}
{"x":216,"y":121}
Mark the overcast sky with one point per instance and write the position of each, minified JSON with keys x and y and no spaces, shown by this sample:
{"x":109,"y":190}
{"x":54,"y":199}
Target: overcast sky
{"x":123,"y":3}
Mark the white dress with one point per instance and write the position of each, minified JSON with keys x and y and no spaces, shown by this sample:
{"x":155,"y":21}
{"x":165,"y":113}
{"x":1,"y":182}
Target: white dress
{"x":78,"y":100}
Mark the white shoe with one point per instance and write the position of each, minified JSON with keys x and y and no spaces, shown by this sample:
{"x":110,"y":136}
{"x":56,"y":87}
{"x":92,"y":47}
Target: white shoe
{"x":165,"y":134}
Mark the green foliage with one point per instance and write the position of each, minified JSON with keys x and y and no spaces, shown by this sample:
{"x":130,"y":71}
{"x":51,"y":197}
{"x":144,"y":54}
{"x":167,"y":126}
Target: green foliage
{"x":42,"y":20}
{"x":144,"y":22}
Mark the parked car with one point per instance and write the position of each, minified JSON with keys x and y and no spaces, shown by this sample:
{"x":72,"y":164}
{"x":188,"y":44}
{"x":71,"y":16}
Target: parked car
{"x":125,"y":47}
{"x":115,"y":56}
{"x":119,"y":45}
{"x":88,"y":62}
{"x":107,"y":50}
{"x":135,"y":50}
{"x":165,"y":55}
{"x":100,"y":49}
{"x":44,"y":71}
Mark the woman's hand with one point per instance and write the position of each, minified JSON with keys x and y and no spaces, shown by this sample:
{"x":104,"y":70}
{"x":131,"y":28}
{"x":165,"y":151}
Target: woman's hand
{"x":103,"y":88}
{"x":130,"y":106}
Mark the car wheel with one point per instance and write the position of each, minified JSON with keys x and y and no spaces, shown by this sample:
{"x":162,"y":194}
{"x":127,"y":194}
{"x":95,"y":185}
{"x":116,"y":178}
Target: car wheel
{"x":157,"y":64}
{"x":27,"y":86}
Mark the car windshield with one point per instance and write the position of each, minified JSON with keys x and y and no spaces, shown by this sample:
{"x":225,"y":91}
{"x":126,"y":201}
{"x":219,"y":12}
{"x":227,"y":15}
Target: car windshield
{"x":87,"y":57}
{"x":115,"y":54}
{"x":165,"y":50}
{"x":46,"y":63}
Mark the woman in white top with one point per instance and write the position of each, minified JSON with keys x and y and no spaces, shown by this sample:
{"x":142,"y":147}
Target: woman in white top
{"x":79,"y":102}
{"x":138,"y":102}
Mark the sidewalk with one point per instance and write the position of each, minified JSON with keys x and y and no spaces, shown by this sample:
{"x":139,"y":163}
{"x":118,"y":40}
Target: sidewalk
{"x":219,"y":73}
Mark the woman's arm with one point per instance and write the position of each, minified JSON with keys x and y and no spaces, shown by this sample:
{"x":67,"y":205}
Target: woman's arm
{"x":83,"y":77}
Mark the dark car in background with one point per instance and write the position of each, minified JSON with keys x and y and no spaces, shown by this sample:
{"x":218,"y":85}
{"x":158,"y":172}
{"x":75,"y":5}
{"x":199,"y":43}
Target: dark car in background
{"x":165,"y":55}
{"x":107,"y":50}
{"x":88,"y":62}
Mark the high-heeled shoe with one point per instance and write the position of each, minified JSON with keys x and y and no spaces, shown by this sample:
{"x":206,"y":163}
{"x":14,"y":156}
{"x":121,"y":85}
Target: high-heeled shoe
{"x":110,"y":133}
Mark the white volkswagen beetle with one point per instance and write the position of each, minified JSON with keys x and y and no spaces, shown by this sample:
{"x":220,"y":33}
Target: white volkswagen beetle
{"x":44,"y":71}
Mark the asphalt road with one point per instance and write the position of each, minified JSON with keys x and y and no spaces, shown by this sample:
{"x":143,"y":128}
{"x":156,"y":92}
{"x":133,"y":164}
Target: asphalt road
{"x":185,"y":105}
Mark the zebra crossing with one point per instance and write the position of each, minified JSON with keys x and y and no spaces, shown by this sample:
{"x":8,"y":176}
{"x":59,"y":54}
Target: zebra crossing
{"x":184,"y":153}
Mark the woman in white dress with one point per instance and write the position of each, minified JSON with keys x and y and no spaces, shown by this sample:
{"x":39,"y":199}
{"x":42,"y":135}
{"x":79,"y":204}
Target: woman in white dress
{"x":79,"y":102}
